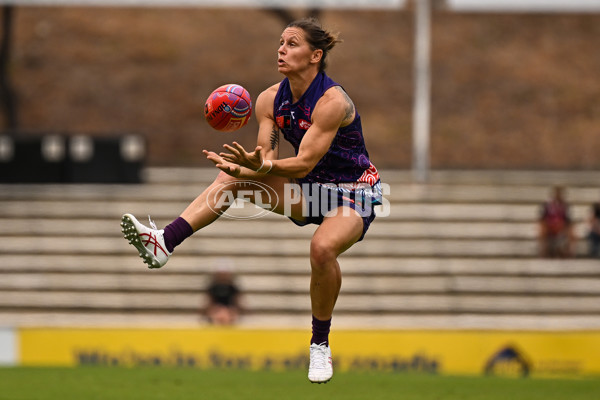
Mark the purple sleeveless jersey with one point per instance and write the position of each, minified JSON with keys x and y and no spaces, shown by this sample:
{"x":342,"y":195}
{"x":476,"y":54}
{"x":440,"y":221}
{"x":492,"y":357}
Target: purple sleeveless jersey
{"x":347,"y":159}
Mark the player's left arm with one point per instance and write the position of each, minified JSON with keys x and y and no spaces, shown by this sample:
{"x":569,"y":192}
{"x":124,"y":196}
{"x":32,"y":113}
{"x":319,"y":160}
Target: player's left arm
{"x":333,"y":110}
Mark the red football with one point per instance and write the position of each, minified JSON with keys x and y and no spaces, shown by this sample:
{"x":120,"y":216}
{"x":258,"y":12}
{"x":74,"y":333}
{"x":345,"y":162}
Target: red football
{"x":228,"y":108}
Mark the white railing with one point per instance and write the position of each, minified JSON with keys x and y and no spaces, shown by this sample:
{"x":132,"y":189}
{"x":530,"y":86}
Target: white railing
{"x":348,"y":4}
{"x":525,"y":5}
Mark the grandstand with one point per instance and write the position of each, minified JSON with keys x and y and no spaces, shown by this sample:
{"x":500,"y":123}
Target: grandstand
{"x":458,"y":252}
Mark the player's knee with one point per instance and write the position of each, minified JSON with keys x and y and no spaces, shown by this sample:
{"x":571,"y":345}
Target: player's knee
{"x":222,"y":177}
{"x":321,"y":253}
{"x":227,"y":183}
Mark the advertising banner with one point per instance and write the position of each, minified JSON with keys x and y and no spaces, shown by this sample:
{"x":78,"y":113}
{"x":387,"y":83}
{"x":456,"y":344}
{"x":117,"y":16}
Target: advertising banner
{"x":434,"y":352}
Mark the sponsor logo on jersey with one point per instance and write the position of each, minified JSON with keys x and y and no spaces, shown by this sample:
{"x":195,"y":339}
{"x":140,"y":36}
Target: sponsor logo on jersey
{"x":303,"y":124}
{"x":284,"y":122}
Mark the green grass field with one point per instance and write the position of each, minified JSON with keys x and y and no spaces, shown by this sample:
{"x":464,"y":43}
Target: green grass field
{"x":164,"y":383}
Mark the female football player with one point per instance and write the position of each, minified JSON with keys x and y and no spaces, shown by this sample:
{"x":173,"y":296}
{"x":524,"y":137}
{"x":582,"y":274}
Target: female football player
{"x":333,"y":182}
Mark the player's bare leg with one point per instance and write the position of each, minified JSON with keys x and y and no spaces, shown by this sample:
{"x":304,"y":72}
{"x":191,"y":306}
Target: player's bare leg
{"x":336,"y":234}
{"x":156,"y":246}
{"x":204,"y":209}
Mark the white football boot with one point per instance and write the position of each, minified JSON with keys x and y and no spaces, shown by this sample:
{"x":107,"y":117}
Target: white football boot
{"x":148,"y":241}
{"x":320,"y":369}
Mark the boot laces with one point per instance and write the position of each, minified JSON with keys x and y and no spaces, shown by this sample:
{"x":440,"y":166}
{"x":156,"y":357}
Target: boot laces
{"x":319,"y":357}
{"x":152,"y":224}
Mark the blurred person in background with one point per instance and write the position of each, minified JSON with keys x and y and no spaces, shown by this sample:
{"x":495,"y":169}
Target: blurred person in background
{"x":594,"y":233}
{"x":556,"y":235}
{"x":223,"y":304}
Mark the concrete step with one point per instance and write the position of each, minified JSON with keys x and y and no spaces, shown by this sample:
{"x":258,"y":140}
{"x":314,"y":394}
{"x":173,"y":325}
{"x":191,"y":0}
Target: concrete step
{"x":292,"y":303}
{"x":285,"y":284}
{"x":467,"y":177}
{"x":198,"y":245}
{"x":378,"y":265}
{"x":301,"y":320}
{"x":499,"y":212}
{"x":394,"y":193}
{"x":283,"y":228}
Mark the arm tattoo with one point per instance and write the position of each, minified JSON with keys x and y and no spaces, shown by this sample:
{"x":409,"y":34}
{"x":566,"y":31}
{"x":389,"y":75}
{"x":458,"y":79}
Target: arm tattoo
{"x":274,"y":137}
{"x":349,"y":109}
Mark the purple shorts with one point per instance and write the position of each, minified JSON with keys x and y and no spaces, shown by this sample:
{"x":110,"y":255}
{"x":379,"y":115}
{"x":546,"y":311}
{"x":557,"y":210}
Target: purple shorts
{"x":320,"y":199}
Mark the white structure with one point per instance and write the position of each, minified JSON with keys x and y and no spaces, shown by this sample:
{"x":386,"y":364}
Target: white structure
{"x":525,"y":5}
{"x":350,"y":4}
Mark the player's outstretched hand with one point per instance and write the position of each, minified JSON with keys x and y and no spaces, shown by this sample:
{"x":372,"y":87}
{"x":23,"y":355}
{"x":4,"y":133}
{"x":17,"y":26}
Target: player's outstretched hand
{"x":238,"y":155}
{"x":228,"y":167}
